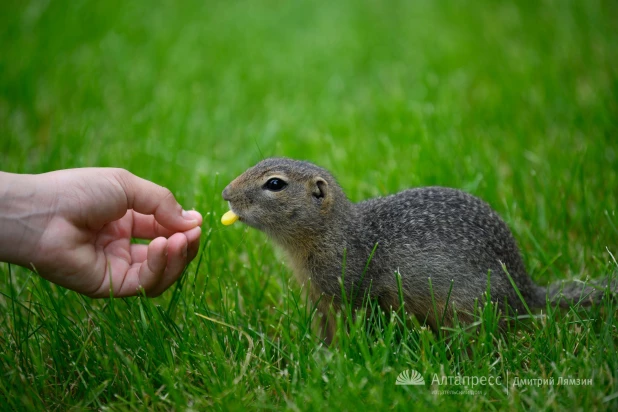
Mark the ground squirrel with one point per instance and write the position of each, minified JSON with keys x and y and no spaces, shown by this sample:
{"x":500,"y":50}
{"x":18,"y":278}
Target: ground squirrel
{"x":439,"y":233}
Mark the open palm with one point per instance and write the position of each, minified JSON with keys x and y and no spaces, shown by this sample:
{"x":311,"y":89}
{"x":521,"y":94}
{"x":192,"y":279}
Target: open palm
{"x":93,"y":216}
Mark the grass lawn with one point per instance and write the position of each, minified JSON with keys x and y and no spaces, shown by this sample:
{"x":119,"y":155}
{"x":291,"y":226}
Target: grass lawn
{"x":515,"y":102}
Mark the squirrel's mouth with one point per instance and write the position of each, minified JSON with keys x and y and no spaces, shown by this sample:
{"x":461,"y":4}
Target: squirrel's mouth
{"x":230,"y":217}
{"x":244,"y":217}
{"x":241,"y":216}
{"x":235,"y":211}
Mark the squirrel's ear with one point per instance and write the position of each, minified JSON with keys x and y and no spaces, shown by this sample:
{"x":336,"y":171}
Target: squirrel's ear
{"x":320,"y":187}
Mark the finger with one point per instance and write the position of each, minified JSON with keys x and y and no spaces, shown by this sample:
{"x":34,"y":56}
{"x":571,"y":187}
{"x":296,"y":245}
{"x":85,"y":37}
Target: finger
{"x":149,"y":198}
{"x":152,"y":269}
{"x":195,"y":215}
{"x":147,"y":227}
{"x":176,"y":262}
{"x":139,"y":253}
{"x":193,"y":239}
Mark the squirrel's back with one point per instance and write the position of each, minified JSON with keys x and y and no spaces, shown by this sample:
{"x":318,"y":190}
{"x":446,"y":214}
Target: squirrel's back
{"x":449,"y":236}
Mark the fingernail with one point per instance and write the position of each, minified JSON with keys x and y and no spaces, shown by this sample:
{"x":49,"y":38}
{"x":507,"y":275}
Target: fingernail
{"x":188,"y":216}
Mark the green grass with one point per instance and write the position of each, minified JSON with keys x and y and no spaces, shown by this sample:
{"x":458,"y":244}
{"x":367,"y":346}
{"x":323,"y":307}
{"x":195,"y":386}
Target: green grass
{"x":515,"y":102}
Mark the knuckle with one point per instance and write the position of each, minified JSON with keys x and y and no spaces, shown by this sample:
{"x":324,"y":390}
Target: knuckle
{"x":156,"y":229}
{"x":123,"y":178}
{"x":167,"y":195}
{"x":120,"y":174}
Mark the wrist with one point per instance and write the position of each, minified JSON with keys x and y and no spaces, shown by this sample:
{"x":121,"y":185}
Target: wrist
{"x":23,"y":218}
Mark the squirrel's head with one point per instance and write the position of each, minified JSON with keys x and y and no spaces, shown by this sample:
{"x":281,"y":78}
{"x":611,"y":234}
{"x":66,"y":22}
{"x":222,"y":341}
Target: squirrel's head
{"x":285,"y":198}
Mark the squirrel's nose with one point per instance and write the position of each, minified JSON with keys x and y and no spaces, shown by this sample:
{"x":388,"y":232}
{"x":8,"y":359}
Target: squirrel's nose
{"x":226,"y":194}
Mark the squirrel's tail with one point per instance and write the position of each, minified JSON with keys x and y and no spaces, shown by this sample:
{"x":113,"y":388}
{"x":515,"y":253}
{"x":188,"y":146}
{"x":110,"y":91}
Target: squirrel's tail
{"x":568,"y":293}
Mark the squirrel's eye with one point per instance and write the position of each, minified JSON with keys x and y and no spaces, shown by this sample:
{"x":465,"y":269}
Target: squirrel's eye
{"x":275,"y":184}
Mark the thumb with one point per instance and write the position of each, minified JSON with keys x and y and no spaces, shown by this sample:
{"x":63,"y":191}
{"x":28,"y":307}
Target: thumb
{"x":149,"y":198}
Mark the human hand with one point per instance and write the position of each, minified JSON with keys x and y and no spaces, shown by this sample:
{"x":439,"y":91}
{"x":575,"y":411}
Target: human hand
{"x":74,"y":227}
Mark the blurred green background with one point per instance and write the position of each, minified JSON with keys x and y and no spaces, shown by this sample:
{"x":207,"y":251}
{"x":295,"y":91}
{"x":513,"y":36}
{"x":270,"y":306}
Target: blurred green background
{"x":513,"y":101}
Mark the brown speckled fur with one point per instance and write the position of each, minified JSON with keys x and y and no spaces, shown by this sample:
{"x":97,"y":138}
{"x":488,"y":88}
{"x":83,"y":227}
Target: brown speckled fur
{"x":431,"y":232}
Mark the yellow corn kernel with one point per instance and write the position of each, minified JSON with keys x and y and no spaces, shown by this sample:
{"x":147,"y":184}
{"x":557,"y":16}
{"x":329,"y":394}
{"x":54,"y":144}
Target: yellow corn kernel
{"x":229,"y":218}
